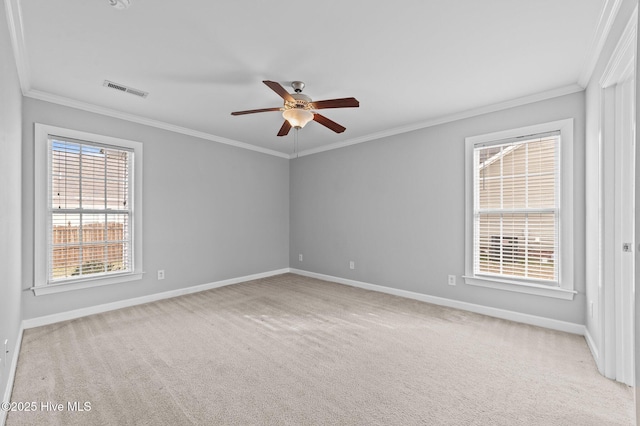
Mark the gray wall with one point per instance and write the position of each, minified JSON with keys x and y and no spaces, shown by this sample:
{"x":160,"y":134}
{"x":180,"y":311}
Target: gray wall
{"x":10,"y":199}
{"x":395,"y":206}
{"x":210,"y":211}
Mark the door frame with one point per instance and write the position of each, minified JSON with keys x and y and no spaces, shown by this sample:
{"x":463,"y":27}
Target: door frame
{"x":616,"y":290}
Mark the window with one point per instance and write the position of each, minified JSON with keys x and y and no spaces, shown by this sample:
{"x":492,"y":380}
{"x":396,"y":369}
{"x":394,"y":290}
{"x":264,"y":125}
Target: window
{"x":519,"y":210}
{"x":87,"y":210}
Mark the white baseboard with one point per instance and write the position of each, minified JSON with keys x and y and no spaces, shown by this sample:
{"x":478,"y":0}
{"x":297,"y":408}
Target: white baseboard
{"x":595,"y":353}
{"x":12,"y":374}
{"x":485,"y":310}
{"x":549,"y":323}
{"x":480,"y":309}
{"x":77,"y":313}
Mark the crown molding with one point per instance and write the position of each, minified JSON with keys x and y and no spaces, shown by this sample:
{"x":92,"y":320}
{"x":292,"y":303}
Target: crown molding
{"x":14,"y":18}
{"x":605,"y":22}
{"x":16,"y":30}
{"x":623,"y":59}
{"x":61,"y":100}
{"x":561,"y":91}
{"x":16,"y":33}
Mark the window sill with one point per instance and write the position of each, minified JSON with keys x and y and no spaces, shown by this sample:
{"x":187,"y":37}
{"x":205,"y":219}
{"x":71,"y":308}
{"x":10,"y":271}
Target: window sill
{"x":520,"y":287}
{"x":85,"y":283}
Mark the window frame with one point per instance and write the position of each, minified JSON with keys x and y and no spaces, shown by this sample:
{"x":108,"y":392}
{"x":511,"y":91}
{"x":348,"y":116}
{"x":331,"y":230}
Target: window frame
{"x":565,"y":288}
{"x":41,"y":210}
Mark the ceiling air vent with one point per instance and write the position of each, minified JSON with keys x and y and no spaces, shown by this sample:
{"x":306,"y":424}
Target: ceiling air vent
{"x":123,"y":88}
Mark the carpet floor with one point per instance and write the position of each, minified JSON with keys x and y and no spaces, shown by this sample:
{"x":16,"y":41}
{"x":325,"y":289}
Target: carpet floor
{"x":292,"y":350}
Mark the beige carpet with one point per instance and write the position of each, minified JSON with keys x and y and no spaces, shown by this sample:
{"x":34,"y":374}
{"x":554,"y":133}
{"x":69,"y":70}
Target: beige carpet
{"x":299,"y":351}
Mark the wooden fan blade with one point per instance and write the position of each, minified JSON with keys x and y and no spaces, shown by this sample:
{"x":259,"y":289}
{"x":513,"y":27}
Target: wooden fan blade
{"x":284,"y":130}
{"x":276,"y":87}
{"x":330,"y":124}
{"x":253,"y":111}
{"x":336,"y":103}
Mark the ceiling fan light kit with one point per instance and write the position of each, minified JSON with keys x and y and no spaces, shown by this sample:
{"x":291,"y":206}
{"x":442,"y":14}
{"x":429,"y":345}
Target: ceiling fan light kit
{"x":298,"y":109}
{"x":297,"y":117}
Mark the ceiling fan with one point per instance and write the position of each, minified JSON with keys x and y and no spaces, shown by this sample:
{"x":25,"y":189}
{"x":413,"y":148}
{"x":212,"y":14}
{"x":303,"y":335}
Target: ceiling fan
{"x":298,"y":109}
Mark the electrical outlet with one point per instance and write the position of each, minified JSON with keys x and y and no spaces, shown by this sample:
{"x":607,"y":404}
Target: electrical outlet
{"x":161,"y":274}
{"x":452,"y":280}
{"x":300,"y":257}
{"x":352,"y":264}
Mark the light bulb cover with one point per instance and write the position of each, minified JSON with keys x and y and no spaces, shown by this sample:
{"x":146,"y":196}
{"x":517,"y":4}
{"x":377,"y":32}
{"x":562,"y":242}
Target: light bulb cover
{"x":297,"y":117}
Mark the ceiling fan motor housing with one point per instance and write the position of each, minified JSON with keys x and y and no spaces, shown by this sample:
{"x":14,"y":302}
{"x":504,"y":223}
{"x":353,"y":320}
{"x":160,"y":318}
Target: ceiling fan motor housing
{"x":302,"y":101}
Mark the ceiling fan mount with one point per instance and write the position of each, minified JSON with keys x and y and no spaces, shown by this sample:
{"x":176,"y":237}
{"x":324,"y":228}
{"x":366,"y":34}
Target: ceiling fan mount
{"x":297,"y":86}
{"x":299,"y":109}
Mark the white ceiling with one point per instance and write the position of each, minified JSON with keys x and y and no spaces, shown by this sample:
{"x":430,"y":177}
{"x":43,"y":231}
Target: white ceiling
{"x":408,"y":62}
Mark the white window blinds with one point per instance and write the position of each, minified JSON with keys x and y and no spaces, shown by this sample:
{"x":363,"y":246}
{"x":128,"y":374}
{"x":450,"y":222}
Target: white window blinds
{"x":516,"y":208}
{"x":89,"y":208}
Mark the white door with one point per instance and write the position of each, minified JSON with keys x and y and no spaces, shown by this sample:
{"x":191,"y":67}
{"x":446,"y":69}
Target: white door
{"x":624,"y":232}
{"x":617,"y":211}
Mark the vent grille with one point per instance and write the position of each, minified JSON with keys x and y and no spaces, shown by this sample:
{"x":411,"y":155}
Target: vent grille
{"x":123,"y":88}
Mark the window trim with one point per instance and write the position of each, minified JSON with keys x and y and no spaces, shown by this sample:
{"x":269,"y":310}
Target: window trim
{"x":565,"y":290}
{"x":41,"y":136}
